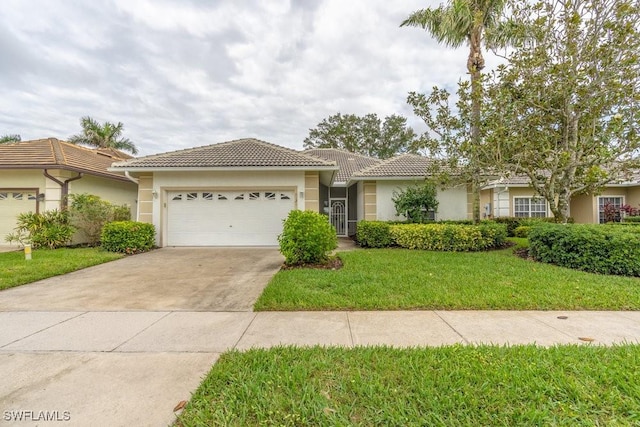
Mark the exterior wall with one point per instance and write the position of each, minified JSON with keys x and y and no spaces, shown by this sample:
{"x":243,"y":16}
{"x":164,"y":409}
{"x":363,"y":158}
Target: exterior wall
{"x":270,"y":180}
{"x":452,"y":201}
{"x":583,"y":209}
{"x":470,"y":204}
{"x":370,"y":197}
{"x":312,"y":191}
{"x":145,"y":198}
{"x":633,"y":196}
{"x":486,"y":198}
{"x":360,"y":196}
{"x":117,"y":192}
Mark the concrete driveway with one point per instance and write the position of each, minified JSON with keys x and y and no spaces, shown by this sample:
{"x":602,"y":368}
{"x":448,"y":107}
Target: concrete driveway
{"x":168,"y":279}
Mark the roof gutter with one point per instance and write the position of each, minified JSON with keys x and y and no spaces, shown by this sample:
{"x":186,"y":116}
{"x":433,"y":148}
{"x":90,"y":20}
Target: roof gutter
{"x":130,"y":178}
{"x":64,"y":187}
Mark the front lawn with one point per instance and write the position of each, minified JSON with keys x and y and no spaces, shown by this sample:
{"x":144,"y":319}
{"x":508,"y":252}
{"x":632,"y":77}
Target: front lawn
{"x":400,"y":279}
{"x":16,"y":271}
{"x":457,"y":385}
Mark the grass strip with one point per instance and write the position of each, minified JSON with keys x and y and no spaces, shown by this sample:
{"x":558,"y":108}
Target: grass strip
{"x":16,"y":271}
{"x":455,"y":385}
{"x":400,"y":279}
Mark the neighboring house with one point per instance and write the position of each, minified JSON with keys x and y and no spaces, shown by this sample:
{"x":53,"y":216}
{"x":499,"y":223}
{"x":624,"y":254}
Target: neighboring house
{"x":37,"y":175}
{"x":238,"y":193}
{"x":515,"y":197}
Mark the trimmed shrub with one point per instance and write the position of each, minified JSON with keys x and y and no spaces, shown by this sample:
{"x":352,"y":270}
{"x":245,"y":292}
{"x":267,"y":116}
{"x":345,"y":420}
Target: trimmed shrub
{"x":522,"y":231}
{"x":374,"y":234}
{"x":50,"y":229}
{"x":449,"y":237}
{"x":593,"y":248}
{"x":631,"y":220}
{"x":307,"y":238}
{"x":128,"y":237}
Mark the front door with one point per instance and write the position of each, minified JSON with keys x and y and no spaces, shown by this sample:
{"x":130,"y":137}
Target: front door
{"x":338,"y":216}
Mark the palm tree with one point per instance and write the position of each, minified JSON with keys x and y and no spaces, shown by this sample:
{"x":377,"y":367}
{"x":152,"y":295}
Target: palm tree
{"x":10,"y":138}
{"x":107,"y":135}
{"x":466,"y":21}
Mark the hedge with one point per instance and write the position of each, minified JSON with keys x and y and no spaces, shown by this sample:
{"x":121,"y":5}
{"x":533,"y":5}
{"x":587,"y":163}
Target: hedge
{"x":435,"y":236}
{"x":128,"y":237}
{"x":374,"y":234}
{"x":594,"y":248}
{"x":449,"y":237}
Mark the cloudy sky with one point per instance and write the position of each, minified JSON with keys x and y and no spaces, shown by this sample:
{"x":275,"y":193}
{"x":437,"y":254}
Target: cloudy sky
{"x":184,"y":73}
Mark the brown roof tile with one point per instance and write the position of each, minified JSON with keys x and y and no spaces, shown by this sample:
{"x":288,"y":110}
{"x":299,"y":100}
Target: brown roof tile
{"x":402,"y":166}
{"x":247,"y":152}
{"x":52,"y":153}
{"x":349,"y":163}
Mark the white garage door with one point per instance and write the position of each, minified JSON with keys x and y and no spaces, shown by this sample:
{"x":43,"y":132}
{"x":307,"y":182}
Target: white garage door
{"x":226,"y":218}
{"x":13,"y":203}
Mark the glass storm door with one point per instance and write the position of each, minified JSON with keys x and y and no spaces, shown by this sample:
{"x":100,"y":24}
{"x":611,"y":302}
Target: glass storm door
{"x":338,"y":216}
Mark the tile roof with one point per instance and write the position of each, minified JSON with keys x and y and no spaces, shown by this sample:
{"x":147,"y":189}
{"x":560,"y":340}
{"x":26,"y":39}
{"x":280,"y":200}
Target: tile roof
{"x":402,"y":166}
{"x":348,"y":162}
{"x":248,"y":152}
{"x":51,"y":153}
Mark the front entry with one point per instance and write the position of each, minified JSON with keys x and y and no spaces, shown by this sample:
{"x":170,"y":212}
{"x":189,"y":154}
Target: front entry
{"x":338,"y":215}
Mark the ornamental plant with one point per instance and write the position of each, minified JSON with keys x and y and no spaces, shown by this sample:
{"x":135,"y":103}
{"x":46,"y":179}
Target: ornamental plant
{"x":307,"y":238}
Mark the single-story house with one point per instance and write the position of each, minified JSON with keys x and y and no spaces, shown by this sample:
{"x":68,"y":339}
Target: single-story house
{"x":239,"y":192}
{"x":514,"y":197}
{"x":37,"y":175}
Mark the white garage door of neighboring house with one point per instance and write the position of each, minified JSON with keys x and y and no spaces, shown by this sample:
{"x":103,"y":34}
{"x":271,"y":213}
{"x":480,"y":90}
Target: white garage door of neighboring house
{"x":226,"y":218}
{"x":13,"y":203}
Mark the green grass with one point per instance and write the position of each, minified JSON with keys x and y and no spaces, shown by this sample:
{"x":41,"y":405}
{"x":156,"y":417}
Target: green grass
{"x":457,"y":385}
{"x":16,"y":271}
{"x":395,"y":279}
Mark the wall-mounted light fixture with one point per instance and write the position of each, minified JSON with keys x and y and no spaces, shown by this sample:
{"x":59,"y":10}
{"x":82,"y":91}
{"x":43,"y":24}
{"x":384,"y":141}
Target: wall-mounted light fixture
{"x":41,"y":197}
{"x":154,"y":193}
{"x":302,"y":194}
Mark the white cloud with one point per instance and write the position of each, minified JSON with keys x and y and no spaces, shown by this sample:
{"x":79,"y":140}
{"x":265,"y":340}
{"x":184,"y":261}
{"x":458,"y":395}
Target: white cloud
{"x":195,"y":72}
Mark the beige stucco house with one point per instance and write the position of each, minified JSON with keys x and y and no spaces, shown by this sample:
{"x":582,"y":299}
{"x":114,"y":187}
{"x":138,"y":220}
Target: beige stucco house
{"x":38,"y":175}
{"x":239,"y":192}
{"x":515,"y":197}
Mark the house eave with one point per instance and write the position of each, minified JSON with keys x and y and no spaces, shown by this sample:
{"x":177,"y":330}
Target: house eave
{"x":222,"y":168}
{"x":68,"y":168}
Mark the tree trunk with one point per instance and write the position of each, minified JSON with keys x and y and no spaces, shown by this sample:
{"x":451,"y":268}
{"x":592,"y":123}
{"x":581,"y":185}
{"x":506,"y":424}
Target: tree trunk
{"x":475,"y":64}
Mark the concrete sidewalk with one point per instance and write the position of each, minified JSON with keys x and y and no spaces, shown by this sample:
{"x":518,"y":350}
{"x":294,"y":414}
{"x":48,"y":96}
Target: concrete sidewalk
{"x":132,"y":368}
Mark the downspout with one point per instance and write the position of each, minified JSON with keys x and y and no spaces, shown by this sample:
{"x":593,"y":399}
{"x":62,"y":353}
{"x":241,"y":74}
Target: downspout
{"x":137,"y":182}
{"x":130,"y":178}
{"x":64,"y":187}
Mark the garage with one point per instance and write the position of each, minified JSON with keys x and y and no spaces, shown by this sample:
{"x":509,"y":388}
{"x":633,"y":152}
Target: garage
{"x":244,"y":217}
{"x":13,"y":203}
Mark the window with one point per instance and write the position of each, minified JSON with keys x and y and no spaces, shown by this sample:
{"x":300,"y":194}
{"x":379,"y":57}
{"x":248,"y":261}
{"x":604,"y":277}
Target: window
{"x":254,"y":196}
{"x":3,"y":196}
{"x":270,"y":196}
{"x":192,"y":196}
{"x":609,"y":208}
{"x":31,"y":196}
{"x":222,"y":197}
{"x":207,"y":196}
{"x":177,"y":197}
{"x":239,"y":197}
{"x":284,"y":197}
{"x":17,"y":196}
{"x":529,"y":207}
